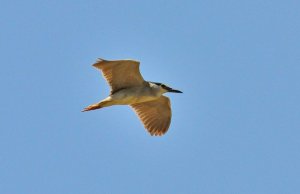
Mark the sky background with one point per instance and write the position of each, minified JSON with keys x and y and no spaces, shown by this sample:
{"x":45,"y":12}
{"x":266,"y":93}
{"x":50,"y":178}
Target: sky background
{"x":235,"y":129}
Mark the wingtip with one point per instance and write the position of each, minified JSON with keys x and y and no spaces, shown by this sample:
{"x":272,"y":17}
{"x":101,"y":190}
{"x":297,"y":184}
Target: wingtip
{"x":157,"y":133}
{"x":99,"y":61}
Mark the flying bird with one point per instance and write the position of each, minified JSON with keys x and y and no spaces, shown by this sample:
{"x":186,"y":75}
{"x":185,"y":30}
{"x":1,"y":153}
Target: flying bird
{"x":129,"y":88}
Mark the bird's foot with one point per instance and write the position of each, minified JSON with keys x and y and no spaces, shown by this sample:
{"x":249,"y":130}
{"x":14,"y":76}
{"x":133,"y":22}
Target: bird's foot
{"x":92,"y":107}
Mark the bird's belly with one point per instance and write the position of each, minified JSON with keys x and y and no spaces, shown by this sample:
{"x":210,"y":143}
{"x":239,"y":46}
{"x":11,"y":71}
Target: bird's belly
{"x":127,"y":97}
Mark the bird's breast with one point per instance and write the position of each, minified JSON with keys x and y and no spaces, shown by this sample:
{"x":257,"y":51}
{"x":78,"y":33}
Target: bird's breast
{"x":134,"y":95}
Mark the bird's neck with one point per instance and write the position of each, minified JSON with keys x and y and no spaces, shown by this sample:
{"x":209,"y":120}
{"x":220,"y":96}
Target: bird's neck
{"x":157,"y":89}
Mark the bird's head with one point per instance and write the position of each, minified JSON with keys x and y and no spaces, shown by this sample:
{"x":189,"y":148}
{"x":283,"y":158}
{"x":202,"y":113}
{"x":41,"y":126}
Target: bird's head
{"x":166,"y":88}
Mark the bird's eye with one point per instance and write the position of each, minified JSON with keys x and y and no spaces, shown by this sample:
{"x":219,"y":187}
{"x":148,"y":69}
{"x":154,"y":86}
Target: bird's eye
{"x":165,"y":87}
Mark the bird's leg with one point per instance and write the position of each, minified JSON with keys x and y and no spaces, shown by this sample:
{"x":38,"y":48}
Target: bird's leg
{"x":92,"y":107}
{"x":103,"y":103}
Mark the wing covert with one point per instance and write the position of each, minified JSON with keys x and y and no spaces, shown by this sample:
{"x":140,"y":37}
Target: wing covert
{"x":120,"y":73}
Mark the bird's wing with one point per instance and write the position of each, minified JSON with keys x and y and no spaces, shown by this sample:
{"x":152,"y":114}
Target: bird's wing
{"x":155,"y":115}
{"x":120,"y":73}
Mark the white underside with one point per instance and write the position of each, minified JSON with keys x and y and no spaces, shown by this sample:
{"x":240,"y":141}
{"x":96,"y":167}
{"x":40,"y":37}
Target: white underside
{"x":132,"y":96}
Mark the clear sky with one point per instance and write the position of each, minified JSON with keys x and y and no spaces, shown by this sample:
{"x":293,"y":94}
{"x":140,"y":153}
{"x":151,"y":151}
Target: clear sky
{"x":235,"y":129}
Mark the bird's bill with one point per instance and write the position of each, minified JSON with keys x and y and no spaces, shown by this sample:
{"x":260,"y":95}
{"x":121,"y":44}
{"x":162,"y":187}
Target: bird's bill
{"x":175,"y":91}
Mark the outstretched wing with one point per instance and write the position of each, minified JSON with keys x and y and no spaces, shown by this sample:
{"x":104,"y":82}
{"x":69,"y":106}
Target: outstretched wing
{"x":120,"y":73}
{"x":155,"y":115}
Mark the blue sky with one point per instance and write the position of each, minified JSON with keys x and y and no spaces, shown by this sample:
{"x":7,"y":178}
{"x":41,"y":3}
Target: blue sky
{"x":235,"y":129}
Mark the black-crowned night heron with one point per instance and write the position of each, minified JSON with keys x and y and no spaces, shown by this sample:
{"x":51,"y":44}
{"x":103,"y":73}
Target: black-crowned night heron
{"x":129,"y":88}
